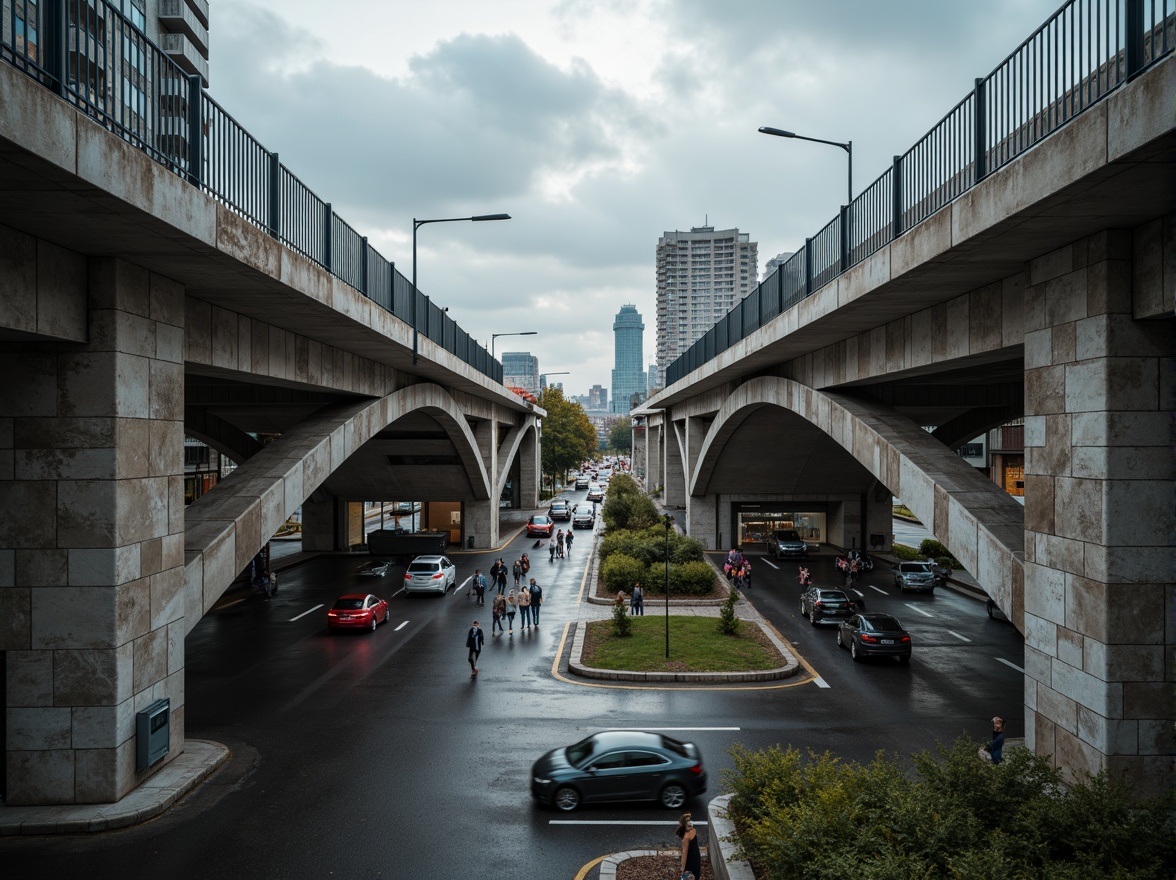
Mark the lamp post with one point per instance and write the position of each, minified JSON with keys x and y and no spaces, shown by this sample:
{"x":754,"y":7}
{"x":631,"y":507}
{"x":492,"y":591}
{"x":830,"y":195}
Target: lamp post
{"x":494,"y":336}
{"x":669,"y":523}
{"x":848,"y":147}
{"x":417,"y":224}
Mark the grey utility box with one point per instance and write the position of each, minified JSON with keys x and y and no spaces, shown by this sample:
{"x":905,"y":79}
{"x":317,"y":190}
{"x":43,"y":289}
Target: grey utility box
{"x":152,"y":733}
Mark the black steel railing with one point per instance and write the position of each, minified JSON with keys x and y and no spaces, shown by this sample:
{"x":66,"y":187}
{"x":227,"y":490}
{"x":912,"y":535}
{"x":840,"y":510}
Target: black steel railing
{"x":94,"y":57}
{"x":1085,"y":51}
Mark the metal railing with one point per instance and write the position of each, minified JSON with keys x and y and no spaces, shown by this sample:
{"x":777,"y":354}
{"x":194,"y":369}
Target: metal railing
{"x":94,"y":57}
{"x":1085,"y":51}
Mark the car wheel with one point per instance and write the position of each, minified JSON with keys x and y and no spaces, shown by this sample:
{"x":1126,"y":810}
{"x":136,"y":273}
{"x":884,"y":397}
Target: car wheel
{"x":853,"y":652}
{"x":803,"y":613}
{"x":904,"y":659}
{"x":375,"y":623}
{"x":840,"y":643}
{"x":673,"y":796}
{"x":813,"y":618}
{"x":566,"y":799}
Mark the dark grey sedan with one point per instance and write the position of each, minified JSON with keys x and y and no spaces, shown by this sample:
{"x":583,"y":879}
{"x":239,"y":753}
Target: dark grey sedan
{"x":819,"y":605}
{"x":619,"y":765}
{"x":869,"y":634}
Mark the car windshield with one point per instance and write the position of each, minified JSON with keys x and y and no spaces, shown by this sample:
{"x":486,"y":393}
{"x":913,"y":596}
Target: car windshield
{"x":539,"y":520}
{"x":672,"y":745}
{"x":833,"y":596}
{"x":348,"y":604}
{"x":880,"y":623}
{"x":913,"y":567}
{"x":790,"y":536}
{"x":422,"y":567}
{"x":583,"y":750}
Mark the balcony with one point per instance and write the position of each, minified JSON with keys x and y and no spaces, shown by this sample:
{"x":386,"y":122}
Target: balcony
{"x":180,"y":17}
{"x":181,"y":50}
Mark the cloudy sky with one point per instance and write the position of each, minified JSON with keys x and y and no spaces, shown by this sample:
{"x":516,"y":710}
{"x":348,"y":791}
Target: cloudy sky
{"x":597,"y":124}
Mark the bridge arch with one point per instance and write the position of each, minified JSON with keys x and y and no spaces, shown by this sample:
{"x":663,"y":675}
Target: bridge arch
{"x":981,"y":525}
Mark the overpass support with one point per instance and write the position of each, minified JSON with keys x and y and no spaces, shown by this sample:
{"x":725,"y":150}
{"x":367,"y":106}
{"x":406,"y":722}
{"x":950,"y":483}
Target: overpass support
{"x":92,"y":522}
{"x":1099,"y":390}
{"x":675,"y":480}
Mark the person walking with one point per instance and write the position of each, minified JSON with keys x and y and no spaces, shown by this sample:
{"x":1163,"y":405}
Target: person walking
{"x":475,"y":638}
{"x":806,"y":579}
{"x":501,"y":578}
{"x":637,"y":601}
{"x":517,"y":571}
{"x":525,"y":607}
{"x":746,"y":573}
{"x":568,"y":542}
{"x":526,"y":564}
{"x":559,"y":544}
{"x":498,"y":609}
{"x":551,"y":550}
{"x":479,"y":589}
{"x":512,"y":607}
{"x":995,"y":747}
{"x":691,"y":856}
{"x":536,"y":601}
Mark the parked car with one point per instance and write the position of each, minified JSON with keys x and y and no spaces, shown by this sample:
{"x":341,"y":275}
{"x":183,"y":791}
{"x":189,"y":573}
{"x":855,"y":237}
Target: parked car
{"x":430,"y":574}
{"x":868,"y":634}
{"x":583,"y":520}
{"x":595,"y":492}
{"x":582,"y":481}
{"x":540,"y":526}
{"x":560,"y":510}
{"x":787,"y":543}
{"x":914,"y":576}
{"x":819,"y":605}
{"x":995,"y":613}
{"x":620,"y":765}
{"x":376,"y":568}
{"x":357,"y":611}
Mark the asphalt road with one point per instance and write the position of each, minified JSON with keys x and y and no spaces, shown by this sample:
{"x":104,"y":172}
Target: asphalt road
{"x":376,"y":755}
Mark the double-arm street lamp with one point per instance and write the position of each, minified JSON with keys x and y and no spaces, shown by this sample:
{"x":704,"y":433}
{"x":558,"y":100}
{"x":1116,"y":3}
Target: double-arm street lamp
{"x":417,"y":224}
{"x":848,"y":147}
{"x":494,"y":336}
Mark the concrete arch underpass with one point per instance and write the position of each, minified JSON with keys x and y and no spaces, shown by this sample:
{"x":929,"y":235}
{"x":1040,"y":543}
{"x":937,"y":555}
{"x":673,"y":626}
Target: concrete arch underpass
{"x":981,"y":525}
{"x":227,"y":527}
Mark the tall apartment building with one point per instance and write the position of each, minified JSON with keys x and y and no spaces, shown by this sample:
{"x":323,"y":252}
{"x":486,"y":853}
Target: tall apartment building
{"x":520,"y":369}
{"x":701,"y":275}
{"x":628,"y":375}
{"x":598,"y":398}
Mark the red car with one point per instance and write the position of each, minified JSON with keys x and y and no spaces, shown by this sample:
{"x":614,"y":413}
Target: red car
{"x":540,"y":526}
{"x":357,"y":611}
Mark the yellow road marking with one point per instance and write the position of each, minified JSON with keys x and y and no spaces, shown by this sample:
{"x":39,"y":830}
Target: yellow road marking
{"x":583,"y":872}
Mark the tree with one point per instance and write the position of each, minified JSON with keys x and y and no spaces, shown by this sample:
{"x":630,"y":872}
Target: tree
{"x":568,"y":436}
{"x":620,"y":435}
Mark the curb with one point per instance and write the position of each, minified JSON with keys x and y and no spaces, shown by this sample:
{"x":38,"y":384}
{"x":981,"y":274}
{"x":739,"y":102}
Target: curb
{"x":608,"y":867}
{"x":722,"y":833}
{"x":576,"y":666}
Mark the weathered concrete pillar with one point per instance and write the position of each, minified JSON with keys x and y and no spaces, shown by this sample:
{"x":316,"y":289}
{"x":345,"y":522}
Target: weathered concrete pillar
{"x":92,"y":522}
{"x":702,"y":520}
{"x":529,"y":469}
{"x":324,"y":523}
{"x":653,"y":466}
{"x":639,"y":457}
{"x":675,"y":491}
{"x":1098,"y":514}
{"x":479,"y":519}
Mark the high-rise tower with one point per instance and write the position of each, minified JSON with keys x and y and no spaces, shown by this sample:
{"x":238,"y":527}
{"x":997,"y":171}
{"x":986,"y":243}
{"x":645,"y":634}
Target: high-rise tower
{"x":628,"y":375}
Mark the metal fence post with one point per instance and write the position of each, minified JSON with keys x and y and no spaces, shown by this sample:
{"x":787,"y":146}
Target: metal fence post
{"x":979,"y":132}
{"x":195,"y":131}
{"x":363,"y":266}
{"x":274,"y":221}
{"x":845,"y":210}
{"x":55,"y":43}
{"x":1133,"y":13}
{"x":896,"y":193}
{"x":327,"y":215}
{"x":808,"y":266}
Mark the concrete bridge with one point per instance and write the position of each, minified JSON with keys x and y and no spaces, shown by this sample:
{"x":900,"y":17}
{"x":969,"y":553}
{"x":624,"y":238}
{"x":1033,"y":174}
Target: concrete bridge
{"x":1044,"y":291}
{"x":137,"y":309}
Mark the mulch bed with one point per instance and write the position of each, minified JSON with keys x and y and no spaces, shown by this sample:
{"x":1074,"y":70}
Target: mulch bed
{"x":657,"y":868}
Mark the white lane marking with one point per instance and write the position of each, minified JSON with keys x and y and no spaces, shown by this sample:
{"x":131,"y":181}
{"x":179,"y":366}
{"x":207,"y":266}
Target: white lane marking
{"x":304,"y":613}
{"x":952,"y":632}
{"x":675,"y":728}
{"x":859,"y":592}
{"x":1007,"y":663}
{"x":879,"y":589}
{"x":402,"y":626}
{"x":917,"y":608}
{"x":458,"y":589}
{"x":821,"y":683}
{"x":616,"y":822}
{"x":397,"y":593}
{"x":769,"y":563}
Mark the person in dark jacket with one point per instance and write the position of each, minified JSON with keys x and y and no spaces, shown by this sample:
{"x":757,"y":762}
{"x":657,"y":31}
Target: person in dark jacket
{"x":475,"y":638}
{"x":996,"y":746}
{"x":536,"y":601}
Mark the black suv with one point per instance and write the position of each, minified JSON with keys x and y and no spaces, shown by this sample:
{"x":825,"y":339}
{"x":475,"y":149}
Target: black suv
{"x":787,"y":542}
{"x":819,"y":605}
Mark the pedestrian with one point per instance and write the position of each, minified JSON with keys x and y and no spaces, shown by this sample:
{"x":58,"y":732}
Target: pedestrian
{"x":747,"y":573}
{"x":499,"y":611}
{"x":551,"y":550}
{"x":512,"y":606}
{"x":559,"y":543}
{"x":475,"y":638}
{"x":501,"y":579}
{"x":806,"y":579}
{"x":525,"y":607}
{"x":637,"y":601}
{"x":526,"y":563}
{"x":568,"y":542}
{"x":995,"y":748}
{"x":536,"y":601}
{"x":691,"y":857}
{"x":479,"y":590}
{"x":738,"y":577}
{"x":517,"y":571}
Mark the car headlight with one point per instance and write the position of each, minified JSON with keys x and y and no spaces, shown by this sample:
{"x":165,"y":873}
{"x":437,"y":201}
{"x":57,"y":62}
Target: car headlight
{"x":539,"y":780}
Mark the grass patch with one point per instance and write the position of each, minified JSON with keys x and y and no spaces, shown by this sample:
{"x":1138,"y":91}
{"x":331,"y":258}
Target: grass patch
{"x":695,"y":646}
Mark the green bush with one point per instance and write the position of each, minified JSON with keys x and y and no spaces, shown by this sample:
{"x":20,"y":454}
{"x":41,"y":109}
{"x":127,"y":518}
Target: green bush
{"x":649,"y":545}
{"x":624,"y":510}
{"x":623,"y":484}
{"x":935,"y":550}
{"x":728,"y":622}
{"x":905,"y":553}
{"x":620,"y":572}
{"x":622,"y":624}
{"x":691,"y":579}
{"x":956,"y":817}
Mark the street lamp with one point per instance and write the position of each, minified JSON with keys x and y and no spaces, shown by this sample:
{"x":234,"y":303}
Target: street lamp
{"x":417,"y":224}
{"x":494,"y":336}
{"x":543,"y":376}
{"x":669,"y":523}
{"x":848,"y":147}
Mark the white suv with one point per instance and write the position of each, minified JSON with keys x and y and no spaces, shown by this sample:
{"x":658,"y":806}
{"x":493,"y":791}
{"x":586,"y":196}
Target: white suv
{"x":430,"y":574}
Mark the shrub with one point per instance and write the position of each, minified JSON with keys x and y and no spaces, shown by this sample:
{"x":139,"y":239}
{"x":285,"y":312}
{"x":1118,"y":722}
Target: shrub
{"x":620,"y":572}
{"x":728,"y":622}
{"x":935,"y":550}
{"x":907,"y":554}
{"x":691,"y":579}
{"x":649,"y":545}
{"x":624,"y":510}
{"x":623,"y":484}
{"x":621,"y":622}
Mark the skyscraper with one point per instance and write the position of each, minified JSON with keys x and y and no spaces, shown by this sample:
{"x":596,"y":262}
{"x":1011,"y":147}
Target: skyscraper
{"x":628,"y":375}
{"x":701,"y":275}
